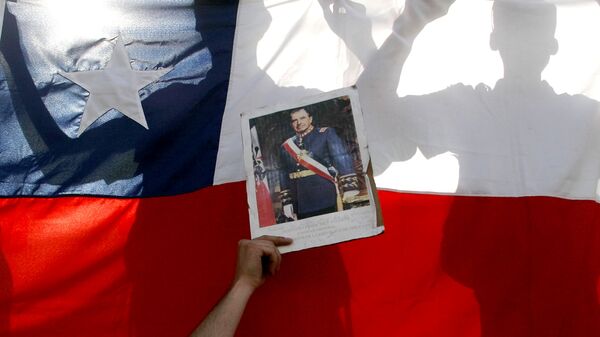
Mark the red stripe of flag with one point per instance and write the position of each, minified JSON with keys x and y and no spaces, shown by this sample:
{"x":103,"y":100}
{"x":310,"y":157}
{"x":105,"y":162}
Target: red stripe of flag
{"x":446,"y":266}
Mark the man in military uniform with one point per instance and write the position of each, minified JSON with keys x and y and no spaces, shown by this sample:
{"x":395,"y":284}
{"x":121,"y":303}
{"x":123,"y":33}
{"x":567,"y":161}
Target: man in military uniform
{"x":317,"y":168}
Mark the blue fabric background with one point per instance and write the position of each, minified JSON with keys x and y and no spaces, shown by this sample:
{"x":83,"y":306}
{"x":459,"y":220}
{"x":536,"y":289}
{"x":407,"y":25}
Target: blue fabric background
{"x":40,"y":110}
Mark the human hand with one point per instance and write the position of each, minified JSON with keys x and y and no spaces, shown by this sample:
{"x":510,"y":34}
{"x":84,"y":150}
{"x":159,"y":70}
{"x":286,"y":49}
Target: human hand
{"x":252,"y":253}
{"x":349,"y":21}
{"x":349,"y":196}
{"x":422,"y":12}
{"x":288,"y":211}
{"x":345,"y":14}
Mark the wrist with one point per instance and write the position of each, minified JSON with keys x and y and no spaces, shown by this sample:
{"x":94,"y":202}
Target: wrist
{"x":243,"y":287}
{"x":408,"y":26}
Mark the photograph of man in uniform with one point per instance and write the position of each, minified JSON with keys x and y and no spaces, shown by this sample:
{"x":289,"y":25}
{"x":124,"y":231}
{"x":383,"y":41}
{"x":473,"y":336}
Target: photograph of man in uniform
{"x":317,"y":173}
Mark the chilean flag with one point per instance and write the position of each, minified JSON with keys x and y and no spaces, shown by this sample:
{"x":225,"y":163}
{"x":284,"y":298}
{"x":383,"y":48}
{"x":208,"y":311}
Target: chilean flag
{"x":120,"y":212}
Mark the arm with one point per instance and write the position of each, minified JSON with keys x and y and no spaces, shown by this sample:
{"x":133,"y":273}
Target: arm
{"x":342,"y":160}
{"x":223,"y":320}
{"x":384,"y":70}
{"x":344,"y":164}
{"x":349,"y":21}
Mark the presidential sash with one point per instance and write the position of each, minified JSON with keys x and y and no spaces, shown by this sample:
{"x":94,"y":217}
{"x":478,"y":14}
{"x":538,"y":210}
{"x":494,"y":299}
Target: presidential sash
{"x":307,"y":161}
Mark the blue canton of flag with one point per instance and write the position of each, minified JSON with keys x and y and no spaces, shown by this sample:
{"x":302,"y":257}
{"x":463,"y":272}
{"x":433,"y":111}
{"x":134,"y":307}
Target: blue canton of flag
{"x":46,"y":144}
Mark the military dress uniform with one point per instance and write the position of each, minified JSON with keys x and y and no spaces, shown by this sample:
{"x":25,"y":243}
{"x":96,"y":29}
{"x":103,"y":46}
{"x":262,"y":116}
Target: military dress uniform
{"x":310,"y":193}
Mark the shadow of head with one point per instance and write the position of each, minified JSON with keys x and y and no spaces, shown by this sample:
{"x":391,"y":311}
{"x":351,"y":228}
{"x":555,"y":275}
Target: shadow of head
{"x":523,"y":34}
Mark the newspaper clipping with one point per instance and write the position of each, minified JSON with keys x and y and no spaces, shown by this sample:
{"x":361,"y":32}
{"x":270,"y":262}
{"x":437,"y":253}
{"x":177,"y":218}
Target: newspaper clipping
{"x":306,"y":166}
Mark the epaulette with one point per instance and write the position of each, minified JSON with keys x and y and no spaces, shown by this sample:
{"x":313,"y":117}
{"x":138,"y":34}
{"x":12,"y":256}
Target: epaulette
{"x":321,"y":130}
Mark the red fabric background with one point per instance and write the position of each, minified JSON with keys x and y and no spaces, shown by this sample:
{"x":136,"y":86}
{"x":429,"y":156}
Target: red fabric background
{"x":446,"y":266}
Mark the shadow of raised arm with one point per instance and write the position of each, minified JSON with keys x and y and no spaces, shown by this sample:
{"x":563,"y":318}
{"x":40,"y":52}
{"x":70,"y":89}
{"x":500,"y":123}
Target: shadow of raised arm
{"x":383,"y":71}
{"x":349,"y":21}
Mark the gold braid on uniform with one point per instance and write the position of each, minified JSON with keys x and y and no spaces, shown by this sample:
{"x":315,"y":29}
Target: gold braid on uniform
{"x":286,"y":197}
{"x":349,"y":182}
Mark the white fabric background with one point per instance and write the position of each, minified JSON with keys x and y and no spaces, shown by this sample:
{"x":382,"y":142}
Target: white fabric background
{"x":285,"y":50}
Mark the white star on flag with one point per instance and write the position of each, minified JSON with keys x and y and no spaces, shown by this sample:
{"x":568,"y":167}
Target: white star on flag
{"x":115,"y":87}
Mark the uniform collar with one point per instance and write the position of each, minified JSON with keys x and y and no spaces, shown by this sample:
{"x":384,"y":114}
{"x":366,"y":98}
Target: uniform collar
{"x":309,"y":130}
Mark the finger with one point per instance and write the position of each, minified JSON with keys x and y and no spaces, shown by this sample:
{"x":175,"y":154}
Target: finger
{"x":275,"y":262}
{"x":272,"y":253}
{"x":276,"y":240}
{"x":327,"y":13}
{"x":325,"y":4}
{"x":242,"y":244}
{"x":274,"y":258}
